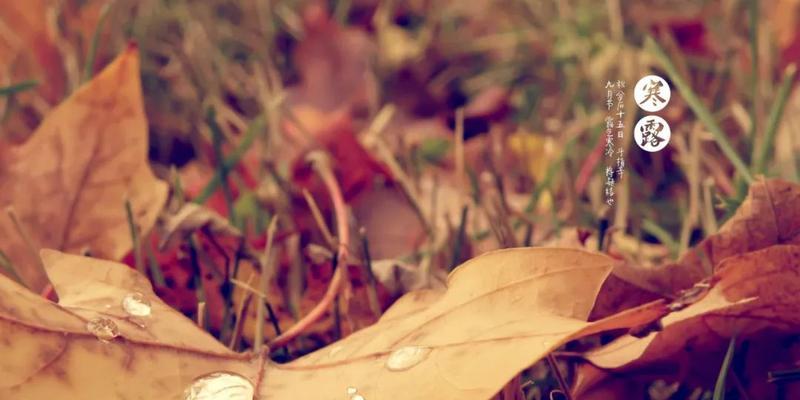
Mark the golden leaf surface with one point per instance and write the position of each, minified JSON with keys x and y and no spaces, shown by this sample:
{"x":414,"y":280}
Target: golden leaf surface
{"x":68,"y":183}
{"x":502,"y":312}
{"x":49,"y":351}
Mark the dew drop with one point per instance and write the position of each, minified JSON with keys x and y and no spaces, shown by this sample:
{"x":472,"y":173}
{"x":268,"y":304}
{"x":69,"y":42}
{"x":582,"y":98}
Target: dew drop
{"x":220,"y":386}
{"x":406,"y":357}
{"x":103,"y":328}
{"x":136,"y":305}
{"x":353,"y":393}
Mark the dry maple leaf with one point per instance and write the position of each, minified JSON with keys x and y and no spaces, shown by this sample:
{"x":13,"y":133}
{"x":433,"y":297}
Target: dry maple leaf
{"x":68,"y":183}
{"x":755,"y":255}
{"x":753,"y":294}
{"x":43,"y":40}
{"x":769,"y":215}
{"x":616,"y":294}
{"x":501,"y":312}
{"x":93,"y":346}
{"x":28,"y":48}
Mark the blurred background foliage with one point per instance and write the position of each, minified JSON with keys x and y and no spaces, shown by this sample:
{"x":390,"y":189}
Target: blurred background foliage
{"x":391,"y":87}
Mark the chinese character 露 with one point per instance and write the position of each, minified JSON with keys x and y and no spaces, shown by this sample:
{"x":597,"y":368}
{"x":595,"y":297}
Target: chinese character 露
{"x":650,"y":131}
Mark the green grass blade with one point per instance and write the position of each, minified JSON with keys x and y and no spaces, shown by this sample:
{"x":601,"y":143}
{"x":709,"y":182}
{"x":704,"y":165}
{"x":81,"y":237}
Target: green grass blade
{"x":719,"y":388}
{"x":233,"y":158}
{"x":155,"y":268}
{"x":662,"y":235}
{"x":752,"y":11}
{"x":761,"y":152}
{"x":222,"y":168}
{"x":7,"y":266}
{"x":17,"y":87}
{"x":88,"y":70}
{"x":134,"y":232}
{"x":341,"y":11}
{"x":699,"y":109}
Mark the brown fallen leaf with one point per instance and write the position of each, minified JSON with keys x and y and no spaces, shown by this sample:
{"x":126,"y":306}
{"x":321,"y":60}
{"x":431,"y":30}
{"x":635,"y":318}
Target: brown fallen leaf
{"x":753,"y":295}
{"x":46,"y":41}
{"x":29,"y":51}
{"x":769,"y":215}
{"x":502,"y":311}
{"x":68,"y":183}
{"x":334,"y":65}
{"x":61,"y":351}
{"x":512,"y":306}
{"x":617,"y":293}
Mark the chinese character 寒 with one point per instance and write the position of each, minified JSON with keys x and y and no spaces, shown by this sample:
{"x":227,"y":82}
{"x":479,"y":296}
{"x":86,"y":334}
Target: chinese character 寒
{"x":653,"y":90}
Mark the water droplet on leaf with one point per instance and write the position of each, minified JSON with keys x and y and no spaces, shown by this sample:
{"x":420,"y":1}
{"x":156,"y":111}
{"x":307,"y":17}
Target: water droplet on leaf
{"x":220,"y":386}
{"x":136,"y":304}
{"x":406,"y":357}
{"x":353,"y":393}
{"x":103,"y":328}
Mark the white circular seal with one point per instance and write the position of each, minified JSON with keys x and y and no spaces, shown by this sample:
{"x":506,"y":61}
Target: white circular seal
{"x":652,"y":93}
{"x":651,"y":133}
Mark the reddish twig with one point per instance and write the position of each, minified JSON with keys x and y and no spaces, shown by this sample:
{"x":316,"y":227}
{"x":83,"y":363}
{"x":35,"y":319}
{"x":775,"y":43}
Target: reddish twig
{"x":47,"y":292}
{"x":322,"y":167}
{"x":588,"y":167}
